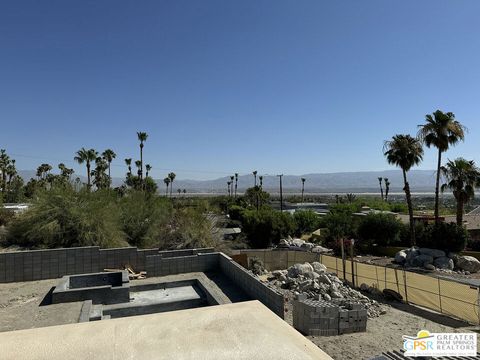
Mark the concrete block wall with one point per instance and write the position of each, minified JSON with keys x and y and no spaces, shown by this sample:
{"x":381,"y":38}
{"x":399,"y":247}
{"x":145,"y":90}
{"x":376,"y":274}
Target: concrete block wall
{"x":252,"y":286}
{"x":55,"y":263}
{"x":161,"y":265}
{"x":321,"y":318}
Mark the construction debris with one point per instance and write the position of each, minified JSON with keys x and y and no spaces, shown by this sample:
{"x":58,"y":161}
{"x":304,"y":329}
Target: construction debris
{"x":132,"y":275}
{"x":313,"y":281}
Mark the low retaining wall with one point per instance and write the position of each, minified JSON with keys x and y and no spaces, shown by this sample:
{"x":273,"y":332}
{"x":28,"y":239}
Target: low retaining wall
{"x":280,"y":259}
{"x":55,"y":263}
{"x":251,"y":285}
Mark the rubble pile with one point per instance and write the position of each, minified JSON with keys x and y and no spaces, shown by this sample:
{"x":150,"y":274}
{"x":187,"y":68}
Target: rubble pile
{"x":434,"y":259}
{"x":302,"y":245}
{"x":314,"y":281}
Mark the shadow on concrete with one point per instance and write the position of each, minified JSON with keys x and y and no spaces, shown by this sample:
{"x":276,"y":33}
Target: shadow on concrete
{"x":228,"y":287}
{"x":429,"y":314}
{"x":47,"y":300}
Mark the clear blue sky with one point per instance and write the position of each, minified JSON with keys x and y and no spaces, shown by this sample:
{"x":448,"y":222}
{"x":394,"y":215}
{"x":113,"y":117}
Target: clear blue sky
{"x":221,"y":86}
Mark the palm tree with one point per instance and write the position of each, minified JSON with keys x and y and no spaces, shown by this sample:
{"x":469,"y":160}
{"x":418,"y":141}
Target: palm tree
{"x":387,"y":188}
{"x":255,"y":176}
{"x":440,"y":130}
{"x":167,"y":182}
{"x":231,"y":182}
{"x":303,"y":187}
{"x":381,"y":188}
{"x":236,"y":182}
{"x":128,"y":162}
{"x":142,"y":137}
{"x":228,"y":187}
{"x":148,"y":167}
{"x":462,"y":177}
{"x":172,"y":178}
{"x":138,"y":164}
{"x":86,"y":156}
{"x":260,"y":178}
{"x":109,"y":155}
{"x":405,"y":151}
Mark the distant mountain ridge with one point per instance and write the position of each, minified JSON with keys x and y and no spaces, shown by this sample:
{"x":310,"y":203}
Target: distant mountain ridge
{"x":360,"y":181}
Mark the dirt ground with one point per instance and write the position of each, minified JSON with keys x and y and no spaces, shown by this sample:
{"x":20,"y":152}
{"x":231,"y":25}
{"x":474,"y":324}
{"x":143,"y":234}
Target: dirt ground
{"x":384,"y":333}
{"x":20,"y":306}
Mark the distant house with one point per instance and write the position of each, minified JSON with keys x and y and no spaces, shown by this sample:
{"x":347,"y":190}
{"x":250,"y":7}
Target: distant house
{"x":16,"y":208}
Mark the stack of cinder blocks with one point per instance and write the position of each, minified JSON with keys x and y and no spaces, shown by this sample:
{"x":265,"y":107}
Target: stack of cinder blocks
{"x":321,"y":318}
{"x":352,"y":319}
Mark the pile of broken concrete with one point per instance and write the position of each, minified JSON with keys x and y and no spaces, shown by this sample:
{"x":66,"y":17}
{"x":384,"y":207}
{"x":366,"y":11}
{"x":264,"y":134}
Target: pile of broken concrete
{"x":313,"y":280}
{"x":302,"y":245}
{"x":434,"y":259}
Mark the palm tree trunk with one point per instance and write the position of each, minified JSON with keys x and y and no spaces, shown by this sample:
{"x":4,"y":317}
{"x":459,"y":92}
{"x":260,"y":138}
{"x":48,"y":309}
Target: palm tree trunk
{"x":166,"y":191}
{"x":437,"y":187}
{"x":408,"y":195}
{"x":141,"y":161}
{"x":410,"y":208}
{"x":171,"y":188}
{"x":88,"y":175}
{"x":460,"y":212}
{"x":303,"y":189}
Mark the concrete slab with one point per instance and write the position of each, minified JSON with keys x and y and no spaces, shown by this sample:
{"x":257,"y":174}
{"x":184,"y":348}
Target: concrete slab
{"x":246,"y":330}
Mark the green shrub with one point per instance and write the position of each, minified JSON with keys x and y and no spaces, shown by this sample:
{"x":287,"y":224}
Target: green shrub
{"x":6,"y":216}
{"x":306,"y":221}
{"x":142,"y":215}
{"x":62,"y":217}
{"x":444,"y":236}
{"x":266,"y":227}
{"x":380,"y":229}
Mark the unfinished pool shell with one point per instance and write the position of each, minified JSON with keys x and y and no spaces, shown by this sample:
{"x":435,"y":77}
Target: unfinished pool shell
{"x":100,"y":288}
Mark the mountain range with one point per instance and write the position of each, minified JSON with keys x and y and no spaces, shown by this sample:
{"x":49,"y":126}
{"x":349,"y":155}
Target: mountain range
{"x":361,"y":181}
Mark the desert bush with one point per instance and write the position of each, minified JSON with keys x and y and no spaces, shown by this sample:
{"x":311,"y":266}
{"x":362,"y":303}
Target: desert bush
{"x":61,"y":217}
{"x":266,"y":227}
{"x":444,"y":236}
{"x":142,"y":216}
{"x":6,"y":216}
{"x":379,"y":229}
{"x":306,"y":221}
{"x":187,"y":227}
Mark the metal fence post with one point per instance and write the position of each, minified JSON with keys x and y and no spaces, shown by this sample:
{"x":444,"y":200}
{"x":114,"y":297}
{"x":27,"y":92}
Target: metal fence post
{"x":440,"y":295}
{"x":405,"y":283}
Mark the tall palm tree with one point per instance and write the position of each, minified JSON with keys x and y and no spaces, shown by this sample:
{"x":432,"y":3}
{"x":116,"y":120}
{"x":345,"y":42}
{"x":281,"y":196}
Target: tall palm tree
{"x":231,"y":182}
{"x":148,"y":167}
{"x":387,"y":188}
{"x":128,"y":162}
{"x":405,"y":151}
{"x":109,"y":155}
{"x":462,"y":178}
{"x":440,"y":130}
{"x":228,"y":186}
{"x":380,"y":179}
{"x":142,"y":137}
{"x":87,"y":157}
{"x":260,"y":178}
{"x":255,"y":177}
{"x":303,"y":187}
{"x":167,"y":182}
{"x":172,"y":178}
{"x":236,"y":183}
